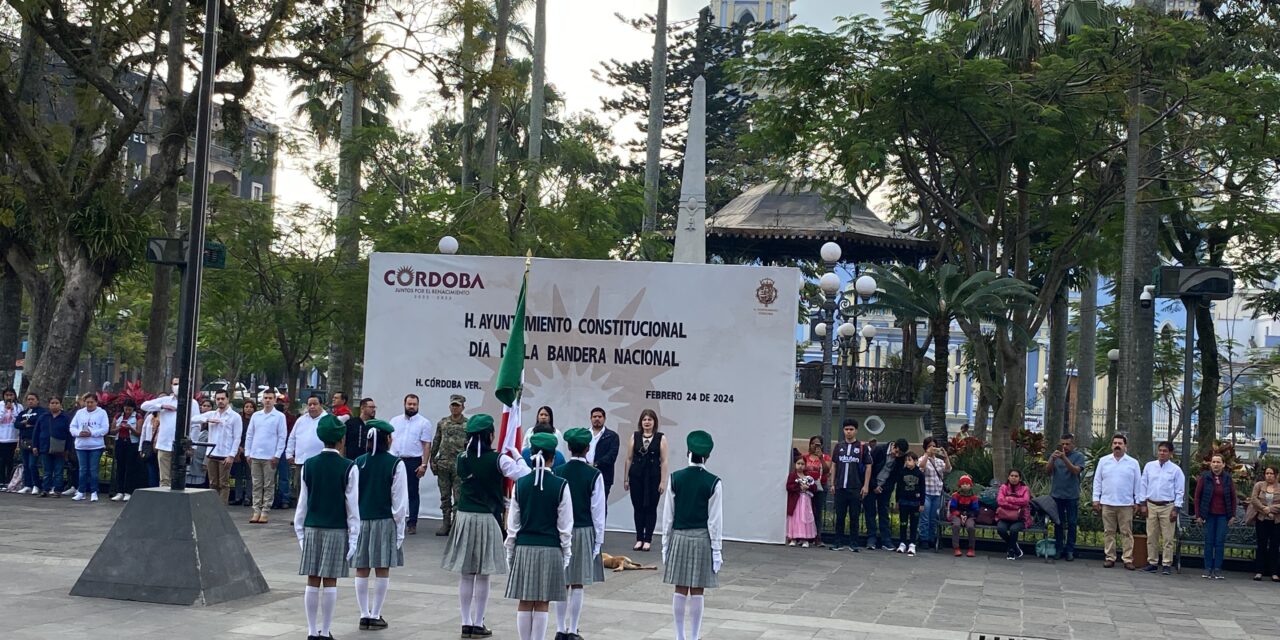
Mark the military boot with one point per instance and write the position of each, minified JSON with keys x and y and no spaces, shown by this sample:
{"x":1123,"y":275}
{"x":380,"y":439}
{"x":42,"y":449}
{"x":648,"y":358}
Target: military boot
{"x":446,"y":525}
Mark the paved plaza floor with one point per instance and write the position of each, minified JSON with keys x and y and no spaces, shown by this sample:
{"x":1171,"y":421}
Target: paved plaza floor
{"x":766,"y":592}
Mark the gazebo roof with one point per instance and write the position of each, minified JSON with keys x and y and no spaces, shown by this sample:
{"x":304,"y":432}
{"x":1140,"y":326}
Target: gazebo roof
{"x":778,"y":220}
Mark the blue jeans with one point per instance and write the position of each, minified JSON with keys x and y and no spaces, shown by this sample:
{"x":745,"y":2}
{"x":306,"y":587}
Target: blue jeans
{"x":1215,"y":541}
{"x":282,"y":496}
{"x":30,"y":470}
{"x":52,"y":465}
{"x":929,"y":519}
{"x":1068,"y":518}
{"x":89,"y":459}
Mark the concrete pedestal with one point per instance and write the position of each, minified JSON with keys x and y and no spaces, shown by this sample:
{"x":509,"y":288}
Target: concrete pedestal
{"x":172,"y":547}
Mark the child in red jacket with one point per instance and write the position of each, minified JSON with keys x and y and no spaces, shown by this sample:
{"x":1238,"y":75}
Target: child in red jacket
{"x":800,"y":523}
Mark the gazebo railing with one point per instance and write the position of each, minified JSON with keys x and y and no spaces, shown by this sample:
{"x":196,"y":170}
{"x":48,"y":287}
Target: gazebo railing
{"x":864,"y":384}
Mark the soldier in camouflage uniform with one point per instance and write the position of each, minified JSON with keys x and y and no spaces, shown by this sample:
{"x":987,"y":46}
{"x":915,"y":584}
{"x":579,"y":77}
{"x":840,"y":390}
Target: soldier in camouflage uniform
{"x":450,"y":440}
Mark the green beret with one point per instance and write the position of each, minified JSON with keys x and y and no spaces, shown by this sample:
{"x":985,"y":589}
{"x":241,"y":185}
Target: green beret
{"x":380,"y":425}
{"x":578,"y":436}
{"x":330,"y":430}
{"x":479,"y":423}
{"x":700,"y":443}
{"x":543,"y":442}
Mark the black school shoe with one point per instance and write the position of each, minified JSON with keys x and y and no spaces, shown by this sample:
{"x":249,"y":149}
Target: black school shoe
{"x":476,"y":631}
{"x":376,"y":624}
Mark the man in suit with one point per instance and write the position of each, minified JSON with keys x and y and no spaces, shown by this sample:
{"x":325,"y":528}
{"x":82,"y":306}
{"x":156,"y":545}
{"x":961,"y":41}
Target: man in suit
{"x":604,"y":448}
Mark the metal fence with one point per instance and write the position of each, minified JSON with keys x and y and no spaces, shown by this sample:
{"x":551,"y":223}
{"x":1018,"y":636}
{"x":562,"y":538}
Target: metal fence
{"x":864,"y":384}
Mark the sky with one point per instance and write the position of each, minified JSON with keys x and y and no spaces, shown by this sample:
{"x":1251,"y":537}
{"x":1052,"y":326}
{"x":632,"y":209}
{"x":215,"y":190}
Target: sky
{"x":581,"y":34}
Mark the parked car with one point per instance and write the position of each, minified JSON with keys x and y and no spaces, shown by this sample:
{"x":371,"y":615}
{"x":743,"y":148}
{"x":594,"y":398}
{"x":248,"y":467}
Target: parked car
{"x":240,"y":393}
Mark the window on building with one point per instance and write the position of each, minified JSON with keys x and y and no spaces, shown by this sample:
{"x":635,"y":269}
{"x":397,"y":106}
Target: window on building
{"x":768,"y":12}
{"x":724,"y":13}
{"x":255,"y":192}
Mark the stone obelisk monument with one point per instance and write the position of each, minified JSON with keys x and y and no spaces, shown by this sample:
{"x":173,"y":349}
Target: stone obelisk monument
{"x":691,"y":226}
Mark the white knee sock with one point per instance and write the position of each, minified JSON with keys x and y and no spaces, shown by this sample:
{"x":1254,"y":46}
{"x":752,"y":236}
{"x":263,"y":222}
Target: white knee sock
{"x":575,"y":609}
{"x":481,"y":600}
{"x":466,"y":592}
{"x":380,"y":586}
{"x":695,"y":612}
{"x":677,"y":609}
{"x":362,"y":596}
{"x":524,"y":624}
{"x":562,"y":612}
{"x":328,"y":601}
{"x":539,"y":627}
{"x":311,"y":602}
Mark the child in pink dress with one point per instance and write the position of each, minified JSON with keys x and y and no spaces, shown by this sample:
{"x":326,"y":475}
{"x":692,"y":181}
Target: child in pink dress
{"x":800,"y":524}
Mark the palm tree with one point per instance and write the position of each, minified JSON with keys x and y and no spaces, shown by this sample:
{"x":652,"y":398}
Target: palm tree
{"x":940,"y":296}
{"x":653,"y":149}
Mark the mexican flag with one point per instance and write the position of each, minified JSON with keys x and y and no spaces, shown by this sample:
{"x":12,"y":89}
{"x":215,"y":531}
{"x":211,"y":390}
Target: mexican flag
{"x":511,"y":373}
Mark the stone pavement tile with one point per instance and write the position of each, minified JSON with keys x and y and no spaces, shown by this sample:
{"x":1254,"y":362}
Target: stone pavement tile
{"x":1047,"y":631}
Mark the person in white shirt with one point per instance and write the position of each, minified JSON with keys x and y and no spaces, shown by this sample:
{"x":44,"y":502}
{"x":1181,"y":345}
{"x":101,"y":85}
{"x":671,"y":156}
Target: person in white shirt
{"x":225,"y":426}
{"x":1164,"y":487}
{"x":9,"y":411}
{"x":88,"y":427}
{"x":166,"y":407}
{"x":263,"y":443}
{"x":1117,"y":492}
{"x":411,"y":442}
{"x":303,"y":443}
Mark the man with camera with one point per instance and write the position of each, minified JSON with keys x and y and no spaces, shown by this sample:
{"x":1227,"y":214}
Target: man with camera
{"x":1064,"y":467}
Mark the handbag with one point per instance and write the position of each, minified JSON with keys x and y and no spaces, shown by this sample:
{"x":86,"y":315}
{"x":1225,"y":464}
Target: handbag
{"x":146,"y":450}
{"x":1011,"y":514}
{"x":57,"y":446}
{"x":986,"y":516}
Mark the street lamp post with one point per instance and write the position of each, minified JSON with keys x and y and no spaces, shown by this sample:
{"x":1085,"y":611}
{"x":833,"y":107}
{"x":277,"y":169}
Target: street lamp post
{"x":1113,"y":357}
{"x":830,"y":284}
{"x":849,"y":351}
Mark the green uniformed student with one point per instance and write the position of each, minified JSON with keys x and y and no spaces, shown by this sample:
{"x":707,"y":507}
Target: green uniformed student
{"x":691,"y":534}
{"x":539,"y":540}
{"x":327,"y":522}
{"x":384,"y":508}
{"x":450,"y":439}
{"x":586,"y":488}
{"x":475,"y":542}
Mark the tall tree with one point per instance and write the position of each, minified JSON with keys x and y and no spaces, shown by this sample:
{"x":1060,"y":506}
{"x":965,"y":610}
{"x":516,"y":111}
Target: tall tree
{"x":537,"y":99}
{"x":653,"y":149}
{"x":1055,"y":397}
{"x":497,"y":84}
{"x":10,"y":324}
{"x":1086,"y":353}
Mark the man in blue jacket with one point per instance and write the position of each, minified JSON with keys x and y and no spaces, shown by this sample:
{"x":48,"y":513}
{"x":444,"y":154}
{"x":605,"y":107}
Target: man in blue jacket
{"x":26,"y":424}
{"x":53,"y":440}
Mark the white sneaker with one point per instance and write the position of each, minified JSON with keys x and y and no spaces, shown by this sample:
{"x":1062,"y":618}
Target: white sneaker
{"x":126,"y":497}
{"x":902,"y":547}
{"x":94,"y":497}
{"x":78,"y":496}
{"x":70,"y":491}
{"x":911,"y":549}
{"x":791,"y":543}
{"x":117,"y":497}
{"x":805,"y":544}
{"x":25,"y":490}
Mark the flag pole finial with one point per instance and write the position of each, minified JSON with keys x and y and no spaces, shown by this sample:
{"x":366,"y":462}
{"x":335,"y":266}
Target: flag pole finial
{"x":528,"y":260}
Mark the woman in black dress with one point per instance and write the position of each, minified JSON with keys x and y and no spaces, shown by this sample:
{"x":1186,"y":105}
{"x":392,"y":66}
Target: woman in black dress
{"x":645,"y":476}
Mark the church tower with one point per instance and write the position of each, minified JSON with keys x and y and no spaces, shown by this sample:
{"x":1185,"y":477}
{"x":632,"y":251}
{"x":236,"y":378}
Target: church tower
{"x":727,"y":12}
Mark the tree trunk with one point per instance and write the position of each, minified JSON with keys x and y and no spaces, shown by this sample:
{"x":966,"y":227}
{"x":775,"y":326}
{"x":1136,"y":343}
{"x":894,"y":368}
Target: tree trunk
{"x":657,"y":97}
{"x":1010,"y":414}
{"x":1210,"y":380}
{"x":489,"y":167}
{"x":69,"y":323}
{"x":537,"y":102}
{"x":1128,"y":286}
{"x":154,"y":371}
{"x":468,"y":55}
{"x":980,"y":414}
{"x":10,"y":324}
{"x":1055,"y":397}
{"x":941,"y":376}
{"x":1086,"y":354}
{"x":341,"y":371}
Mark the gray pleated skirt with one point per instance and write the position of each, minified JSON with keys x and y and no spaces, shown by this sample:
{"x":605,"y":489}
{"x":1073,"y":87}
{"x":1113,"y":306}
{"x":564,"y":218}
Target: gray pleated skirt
{"x":585,"y":566}
{"x":537,"y":574}
{"x":689,"y":561}
{"x":475,"y":546}
{"x":376,"y":547}
{"x":324,"y":553}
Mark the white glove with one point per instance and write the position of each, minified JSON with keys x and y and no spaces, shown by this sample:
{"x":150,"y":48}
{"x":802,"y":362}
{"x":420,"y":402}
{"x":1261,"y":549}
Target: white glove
{"x":664,"y":553}
{"x":351,"y":550}
{"x":595,"y":552}
{"x":717,"y":561}
{"x":400,"y":542}
{"x":567,"y":558}
{"x":343,"y":419}
{"x":301,"y":545}
{"x":510,"y":557}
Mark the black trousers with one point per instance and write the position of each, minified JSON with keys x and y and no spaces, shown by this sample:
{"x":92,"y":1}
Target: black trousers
{"x":646,"y":516}
{"x":1268,"y":553}
{"x":1008,"y":530}
{"x":411,"y":469}
{"x":7,"y":450}
{"x":908,"y":523}
{"x":848,"y":503}
{"x":128,"y":468}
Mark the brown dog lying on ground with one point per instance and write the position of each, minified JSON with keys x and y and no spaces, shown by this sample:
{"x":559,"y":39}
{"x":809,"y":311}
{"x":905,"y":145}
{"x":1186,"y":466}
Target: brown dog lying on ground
{"x":623,"y":563}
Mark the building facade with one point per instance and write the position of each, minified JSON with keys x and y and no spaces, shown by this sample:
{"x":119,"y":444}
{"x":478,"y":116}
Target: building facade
{"x":727,"y":12}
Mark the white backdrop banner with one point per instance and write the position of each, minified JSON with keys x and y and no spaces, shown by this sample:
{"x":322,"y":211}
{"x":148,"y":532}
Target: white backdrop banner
{"x":706,"y":346}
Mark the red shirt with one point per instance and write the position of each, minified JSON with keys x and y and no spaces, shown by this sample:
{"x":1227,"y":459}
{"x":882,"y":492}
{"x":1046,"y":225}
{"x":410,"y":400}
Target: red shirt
{"x":816,"y":467}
